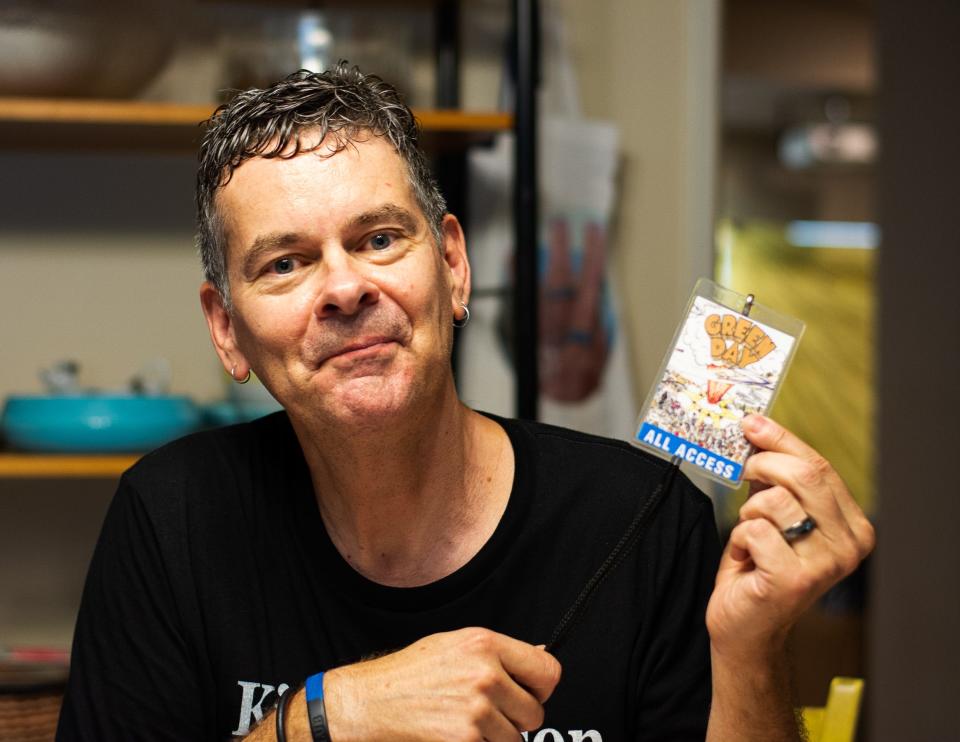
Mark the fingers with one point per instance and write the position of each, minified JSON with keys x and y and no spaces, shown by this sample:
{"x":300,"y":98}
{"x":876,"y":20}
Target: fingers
{"x":763,"y":541}
{"x":813,"y":488}
{"x":518,"y":708}
{"x":533,"y":668}
{"x":820,"y":493}
{"x":775,"y":504}
{"x":794,"y":471}
{"x":821,"y":559}
{"x":495,"y":727}
{"x":512,"y":679}
{"x":769,"y":435}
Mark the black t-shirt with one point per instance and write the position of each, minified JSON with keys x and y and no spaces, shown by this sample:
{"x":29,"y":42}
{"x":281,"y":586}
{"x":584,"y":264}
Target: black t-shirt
{"x":214,"y":584}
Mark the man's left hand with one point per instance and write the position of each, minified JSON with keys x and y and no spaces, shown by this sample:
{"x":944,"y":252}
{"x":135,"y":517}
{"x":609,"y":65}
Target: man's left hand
{"x":765,"y":582}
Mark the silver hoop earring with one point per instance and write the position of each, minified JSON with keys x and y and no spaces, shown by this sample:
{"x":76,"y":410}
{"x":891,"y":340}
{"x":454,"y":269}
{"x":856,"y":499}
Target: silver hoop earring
{"x":233,"y":374}
{"x":462,"y":322}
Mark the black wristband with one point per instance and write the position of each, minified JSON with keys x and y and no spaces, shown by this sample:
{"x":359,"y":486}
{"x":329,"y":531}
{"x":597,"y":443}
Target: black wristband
{"x":316,"y":709}
{"x":282,"y":712}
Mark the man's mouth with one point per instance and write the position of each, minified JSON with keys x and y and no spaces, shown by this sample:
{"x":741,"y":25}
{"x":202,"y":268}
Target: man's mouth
{"x":359,"y":349}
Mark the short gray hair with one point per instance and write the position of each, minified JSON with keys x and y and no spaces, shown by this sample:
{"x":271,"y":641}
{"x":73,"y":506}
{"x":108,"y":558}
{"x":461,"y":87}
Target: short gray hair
{"x":341,"y":102}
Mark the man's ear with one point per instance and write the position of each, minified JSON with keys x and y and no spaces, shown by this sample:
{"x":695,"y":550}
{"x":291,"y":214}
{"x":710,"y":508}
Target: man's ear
{"x":220,"y":324}
{"x":455,"y":258}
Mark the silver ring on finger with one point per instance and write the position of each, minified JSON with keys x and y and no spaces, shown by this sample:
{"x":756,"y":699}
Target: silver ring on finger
{"x":799,"y":529}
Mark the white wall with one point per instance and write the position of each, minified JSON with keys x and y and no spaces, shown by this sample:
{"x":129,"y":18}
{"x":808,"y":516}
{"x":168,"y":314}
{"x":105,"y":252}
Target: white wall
{"x":97,"y":264}
{"x":652,"y":67}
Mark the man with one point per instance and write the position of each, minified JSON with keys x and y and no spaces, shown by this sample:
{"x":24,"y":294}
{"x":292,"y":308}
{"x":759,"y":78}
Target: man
{"x":417,"y":553}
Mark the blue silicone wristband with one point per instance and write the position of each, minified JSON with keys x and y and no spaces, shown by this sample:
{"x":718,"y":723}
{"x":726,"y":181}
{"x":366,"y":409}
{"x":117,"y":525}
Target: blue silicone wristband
{"x":316,"y":710}
{"x":315,"y":687}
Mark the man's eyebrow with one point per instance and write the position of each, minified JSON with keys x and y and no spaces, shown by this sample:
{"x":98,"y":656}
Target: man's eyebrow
{"x":266,"y":243}
{"x":387,"y":213}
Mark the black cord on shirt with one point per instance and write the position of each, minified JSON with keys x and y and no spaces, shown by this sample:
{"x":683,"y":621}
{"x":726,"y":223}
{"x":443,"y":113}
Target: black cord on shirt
{"x":630,"y":538}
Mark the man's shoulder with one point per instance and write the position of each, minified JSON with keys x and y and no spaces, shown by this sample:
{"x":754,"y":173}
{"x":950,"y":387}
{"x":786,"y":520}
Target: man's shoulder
{"x":603,"y":464}
{"x":552,"y":437}
{"x":589,"y":489}
{"x":587,"y":450}
{"x":212,"y":454}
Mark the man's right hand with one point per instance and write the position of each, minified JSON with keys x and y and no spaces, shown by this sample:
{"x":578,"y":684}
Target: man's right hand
{"x":472,"y":684}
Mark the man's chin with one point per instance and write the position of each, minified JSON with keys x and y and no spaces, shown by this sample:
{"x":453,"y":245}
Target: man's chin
{"x":372,"y":399}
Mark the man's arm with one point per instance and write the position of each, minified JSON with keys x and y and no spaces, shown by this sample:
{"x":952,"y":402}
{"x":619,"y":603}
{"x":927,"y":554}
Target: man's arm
{"x":752,"y":700}
{"x":470,"y":684}
{"x":765,"y":582}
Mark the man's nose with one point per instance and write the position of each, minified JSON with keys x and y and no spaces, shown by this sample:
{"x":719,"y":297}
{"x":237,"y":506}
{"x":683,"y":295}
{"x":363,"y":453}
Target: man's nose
{"x":345,"y":289}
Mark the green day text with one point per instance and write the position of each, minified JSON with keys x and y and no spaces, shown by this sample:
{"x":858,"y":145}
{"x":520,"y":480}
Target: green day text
{"x":737,"y":340}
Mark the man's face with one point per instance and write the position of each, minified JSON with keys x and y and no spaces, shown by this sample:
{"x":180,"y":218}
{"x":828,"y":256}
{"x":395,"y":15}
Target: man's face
{"x":342,"y":301}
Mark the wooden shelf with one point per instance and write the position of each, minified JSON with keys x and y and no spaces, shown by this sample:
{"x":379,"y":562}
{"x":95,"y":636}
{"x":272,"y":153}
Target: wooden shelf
{"x":48,"y":466}
{"x":42,"y":123}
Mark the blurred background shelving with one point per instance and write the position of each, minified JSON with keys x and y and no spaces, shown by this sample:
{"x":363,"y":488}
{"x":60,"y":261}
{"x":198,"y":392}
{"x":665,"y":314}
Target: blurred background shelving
{"x":49,"y":466}
{"x":114,"y":125}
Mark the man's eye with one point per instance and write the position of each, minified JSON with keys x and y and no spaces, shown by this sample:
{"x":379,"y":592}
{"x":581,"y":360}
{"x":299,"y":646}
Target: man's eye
{"x":283,"y":265}
{"x":381,"y":241}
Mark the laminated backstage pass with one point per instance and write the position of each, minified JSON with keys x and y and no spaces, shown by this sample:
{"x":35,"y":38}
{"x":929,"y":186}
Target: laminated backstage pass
{"x":727,"y":360}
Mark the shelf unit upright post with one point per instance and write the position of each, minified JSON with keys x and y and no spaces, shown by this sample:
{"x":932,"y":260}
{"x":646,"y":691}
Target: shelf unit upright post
{"x":451,"y":171}
{"x":526,"y":52}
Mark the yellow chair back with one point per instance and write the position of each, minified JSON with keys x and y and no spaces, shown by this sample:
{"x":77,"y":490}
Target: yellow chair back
{"x":837,"y":721}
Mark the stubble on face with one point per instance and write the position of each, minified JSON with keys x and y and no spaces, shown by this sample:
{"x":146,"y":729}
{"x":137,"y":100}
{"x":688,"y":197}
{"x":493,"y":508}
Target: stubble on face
{"x":341,"y":334}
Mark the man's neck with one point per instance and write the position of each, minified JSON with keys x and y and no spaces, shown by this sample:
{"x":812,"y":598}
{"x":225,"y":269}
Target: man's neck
{"x":410,"y":502}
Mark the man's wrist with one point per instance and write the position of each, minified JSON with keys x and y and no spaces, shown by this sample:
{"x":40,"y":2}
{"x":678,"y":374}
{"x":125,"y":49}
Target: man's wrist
{"x":297,"y":725}
{"x":752,"y":695}
{"x":760,"y":652}
{"x":341,"y":707}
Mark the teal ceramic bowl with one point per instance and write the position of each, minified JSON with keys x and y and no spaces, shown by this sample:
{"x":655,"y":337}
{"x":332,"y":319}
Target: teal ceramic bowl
{"x":91,"y":423}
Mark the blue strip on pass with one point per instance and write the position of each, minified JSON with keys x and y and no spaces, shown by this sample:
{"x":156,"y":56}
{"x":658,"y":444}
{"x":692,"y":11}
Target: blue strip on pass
{"x":690,"y":452}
